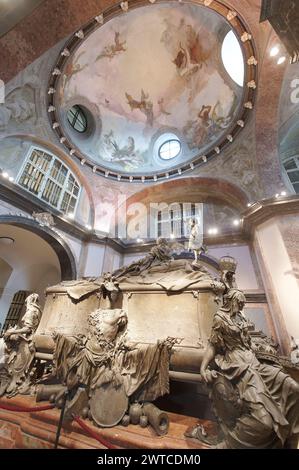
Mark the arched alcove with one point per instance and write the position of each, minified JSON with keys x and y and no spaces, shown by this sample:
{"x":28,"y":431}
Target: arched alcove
{"x":58,"y":245}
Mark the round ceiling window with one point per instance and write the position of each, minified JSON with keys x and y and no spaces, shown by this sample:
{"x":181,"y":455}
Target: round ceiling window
{"x":77,"y":118}
{"x":232,"y":58}
{"x":170,"y":149}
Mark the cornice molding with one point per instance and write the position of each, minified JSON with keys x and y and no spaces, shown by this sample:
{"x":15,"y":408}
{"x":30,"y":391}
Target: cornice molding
{"x":254,"y":216}
{"x":266,"y":209}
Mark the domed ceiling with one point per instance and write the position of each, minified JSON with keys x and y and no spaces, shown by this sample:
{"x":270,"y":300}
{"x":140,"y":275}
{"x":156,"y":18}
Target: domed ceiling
{"x":147,"y":76}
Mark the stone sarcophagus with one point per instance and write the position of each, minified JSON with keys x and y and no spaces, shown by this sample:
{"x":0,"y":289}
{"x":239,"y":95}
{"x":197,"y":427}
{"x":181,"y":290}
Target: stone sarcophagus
{"x":169,"y":298}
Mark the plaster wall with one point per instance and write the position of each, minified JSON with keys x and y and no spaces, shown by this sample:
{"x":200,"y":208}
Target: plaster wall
{"x":278,"y":271}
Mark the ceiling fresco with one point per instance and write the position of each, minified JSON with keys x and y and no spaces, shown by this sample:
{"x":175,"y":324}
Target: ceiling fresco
{"x":153,"y":71}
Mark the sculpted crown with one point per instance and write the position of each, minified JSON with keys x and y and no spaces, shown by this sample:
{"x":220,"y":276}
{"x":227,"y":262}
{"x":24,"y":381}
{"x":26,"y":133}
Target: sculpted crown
{"x":228,"y":263}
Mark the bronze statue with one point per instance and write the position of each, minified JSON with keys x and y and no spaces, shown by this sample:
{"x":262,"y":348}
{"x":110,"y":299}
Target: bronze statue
{"x":264,"y":398}
{"x":159,"y":253}
{"x":20,"y":350}
{"x":113,"y":370}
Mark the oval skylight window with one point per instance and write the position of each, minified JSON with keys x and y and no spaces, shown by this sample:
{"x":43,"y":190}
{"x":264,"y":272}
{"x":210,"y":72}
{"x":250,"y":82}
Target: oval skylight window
{"x":170,"y":149}
{"x":232,"y":58}
{"x":77,"y":118}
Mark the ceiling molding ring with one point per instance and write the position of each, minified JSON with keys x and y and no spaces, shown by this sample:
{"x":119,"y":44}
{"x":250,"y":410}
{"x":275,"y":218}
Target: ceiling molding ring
{"x":245,"y":38}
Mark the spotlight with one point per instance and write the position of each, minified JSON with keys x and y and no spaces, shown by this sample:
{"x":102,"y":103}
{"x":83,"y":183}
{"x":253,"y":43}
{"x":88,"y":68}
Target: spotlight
{"x":11,"y":179}
{"x":249,"y":204}
{"x":281,"y":60}
{"x":70,"y":215}
{"x":172,"y":236}
{"x":274,"y":51}
{"x":5,"y":174}
{"x":213,"y":231}
{"x":139,"y":240}
{"x":236,"y":223}
{"x":88,"y":227}
{"x":283,"y":193}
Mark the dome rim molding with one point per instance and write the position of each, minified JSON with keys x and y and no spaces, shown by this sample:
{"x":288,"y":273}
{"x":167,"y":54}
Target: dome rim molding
{"x":245,"y":38}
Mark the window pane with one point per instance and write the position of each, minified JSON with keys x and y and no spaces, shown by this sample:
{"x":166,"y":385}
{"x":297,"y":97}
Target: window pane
{"x":51,"y":193}
{"x":77,"y":118}
{"x":296,"y":187}
{"x":42,"y":166}
{"x":65,"y":202}
{"x":290,"y":165}
{"x":170,"y":149}
{"x":294,"y":176}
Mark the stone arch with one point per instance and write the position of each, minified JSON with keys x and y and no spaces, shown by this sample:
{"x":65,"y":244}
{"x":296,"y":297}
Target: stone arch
{"x":65,"y":256}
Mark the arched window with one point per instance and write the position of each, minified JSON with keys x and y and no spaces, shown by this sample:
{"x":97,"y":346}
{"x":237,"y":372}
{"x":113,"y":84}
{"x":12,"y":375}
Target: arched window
{"x":50,"y":180}
{"x":291,"y":166}
{"x":174,"y":220}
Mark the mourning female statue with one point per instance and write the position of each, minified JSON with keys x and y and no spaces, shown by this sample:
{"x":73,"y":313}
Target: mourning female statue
{"x":257,"y":404}
{"x":20,"y":350}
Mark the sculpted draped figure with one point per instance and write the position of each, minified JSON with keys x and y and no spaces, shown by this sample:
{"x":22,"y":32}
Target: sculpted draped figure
{"x":19,"y":350}
{"x":257,"y":403}
{"x":196,"y":240}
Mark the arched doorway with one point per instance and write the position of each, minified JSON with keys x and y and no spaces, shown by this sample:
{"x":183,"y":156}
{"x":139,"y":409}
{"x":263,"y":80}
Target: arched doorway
{"x":65,"y":256}
{"x":36,"y":258}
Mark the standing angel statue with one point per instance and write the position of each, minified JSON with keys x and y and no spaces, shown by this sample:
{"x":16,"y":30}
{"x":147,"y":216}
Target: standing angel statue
{"x":196,"y":240}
